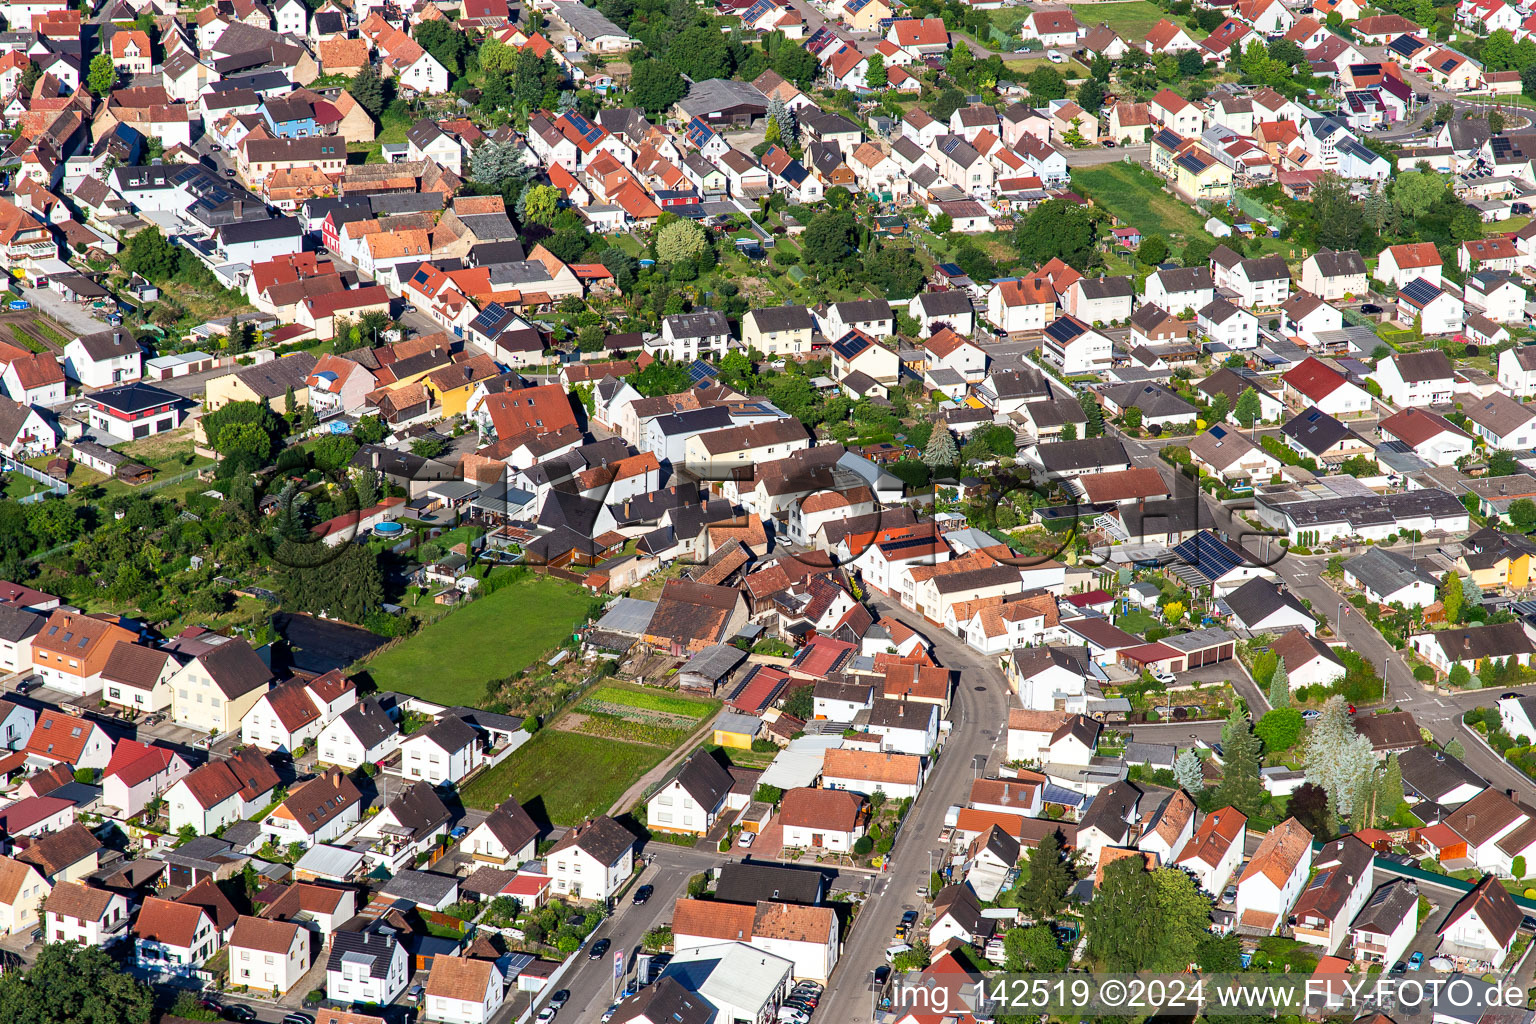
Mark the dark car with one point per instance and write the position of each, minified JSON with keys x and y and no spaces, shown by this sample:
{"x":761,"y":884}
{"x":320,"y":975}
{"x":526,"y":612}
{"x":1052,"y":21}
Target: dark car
{"x":881,"y":973}
{"x":642,"y":894}
{"x":211,"y":1004}
{"x":298,"y":1018}
{"x":599,"y":949}
{"x":909,"y":918}
{"x":27,"y":685}
{"x":236,"y":1012}
{"x":560,"y":998}
{"x":1371,"y":309}
{"x":1511,"y":695}
{"x":1399,"y":968}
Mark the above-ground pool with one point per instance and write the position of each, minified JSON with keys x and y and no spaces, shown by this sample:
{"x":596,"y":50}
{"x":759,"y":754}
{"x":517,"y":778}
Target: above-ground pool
{"x":389,"y":529}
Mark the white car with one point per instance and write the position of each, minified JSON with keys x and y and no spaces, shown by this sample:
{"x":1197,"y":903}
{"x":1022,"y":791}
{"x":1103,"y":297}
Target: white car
{"x":546,"y":1015}
{"x":745,"y":839}
{"x":1055,"y":57}
{"x":1165,"y":677}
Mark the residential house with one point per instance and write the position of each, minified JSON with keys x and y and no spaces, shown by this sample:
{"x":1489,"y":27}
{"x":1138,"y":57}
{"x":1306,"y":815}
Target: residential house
{"x":816,"y":819}
{"x":317,"y":811}
{"x":1274,"y":878}
{"x":592,"y":860}
{"x":268,"y":956}
{"x":214,"y":691}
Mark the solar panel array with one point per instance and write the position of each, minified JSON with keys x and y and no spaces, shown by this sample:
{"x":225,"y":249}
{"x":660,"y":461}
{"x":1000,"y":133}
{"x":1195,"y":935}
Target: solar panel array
{"x":757,"y":10}
{"x":1421,"y":291}
{"x":1206,"y":552}
{"x":699,"y":371}
{"x":586,"y":129}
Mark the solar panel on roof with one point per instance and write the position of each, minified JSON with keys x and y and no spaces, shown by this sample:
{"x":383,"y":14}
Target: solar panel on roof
{"x":699,"y":370}
{"x":1421,"y":291}
{"x":1206,"y":553}
{"x":757,"y":10}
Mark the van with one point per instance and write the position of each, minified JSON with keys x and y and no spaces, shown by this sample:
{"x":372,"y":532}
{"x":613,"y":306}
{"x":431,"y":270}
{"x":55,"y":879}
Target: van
{"x":895,"y":951}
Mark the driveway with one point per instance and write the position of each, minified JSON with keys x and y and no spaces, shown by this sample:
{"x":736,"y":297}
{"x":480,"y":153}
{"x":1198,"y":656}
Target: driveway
{"x":73,"y":317}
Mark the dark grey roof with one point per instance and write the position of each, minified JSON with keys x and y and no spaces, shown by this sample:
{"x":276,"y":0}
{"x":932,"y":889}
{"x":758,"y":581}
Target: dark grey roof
{"x":665,"y":1002}
{"x":747,"y":882}
{"x":703,"y":779}
{"x":16,"y":624}
{"x":951,"y":303}
{"x":1315,"y":431}
{"x":1153,"y":400}
{"x":451,"y":733}
{"x":1388,"y":906}
{"x":419,"y":809}
{"x":376,"y":947}
{"x":1113,"y":811}
{"x":1258,"y":599}
{"x":1434,"y":774}
{"x":273,"y":379}
{"x":1106,"y":287}
{"x":109,"y":344}
{"x":235,"y":668}
{"x":702,"y":323}
{"x":1084,"y":453}
{"x":369,"y":722}
{"x":424,"y":887}
{"x":783,"y":318}
{"x":1345,"y":263}
{"x":1386,"y":572}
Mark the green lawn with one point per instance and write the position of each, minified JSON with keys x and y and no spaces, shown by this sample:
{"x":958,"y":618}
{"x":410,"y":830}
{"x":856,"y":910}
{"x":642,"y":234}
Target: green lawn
{"x":573,"y":776}
{"x":649,"y":700}
{"x":1132,"y":20}
{"x":1134,"y":196}
{"x":1136,"y":621}
{"x":451,"y":660}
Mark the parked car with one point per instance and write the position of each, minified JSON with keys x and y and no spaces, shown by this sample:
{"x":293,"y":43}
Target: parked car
{"x":1309,"y":715}
{"x":1165,"y":677}
{"x":236,"y":1012}
{"x":560,"y":998}
{"x":642,"y":894}
{"x":745,"y":839}
{"x":1055,"y":57}
{"x":27,"y":685}
{"x":298,"y":1018}
{"x":608,"y":1014}
{"x":1416,"y":961}
{"x":546,"y":1015}
{"x":599,"y":949}
{"x":1371,"y":309}
{"x":908,"y":919}
{"x":1399,"y":968}
{"x":416,"y":993}
{"x":459,"y":833}
{"x":1511,"y":695}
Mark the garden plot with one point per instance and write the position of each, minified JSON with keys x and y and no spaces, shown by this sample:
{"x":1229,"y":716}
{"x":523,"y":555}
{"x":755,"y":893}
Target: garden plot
{"x":637,"y":717}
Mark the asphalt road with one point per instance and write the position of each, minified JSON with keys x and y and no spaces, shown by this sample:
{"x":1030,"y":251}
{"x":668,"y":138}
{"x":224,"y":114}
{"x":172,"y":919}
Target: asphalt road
{"x":1437,"y":710}
{"x":980,"y":725}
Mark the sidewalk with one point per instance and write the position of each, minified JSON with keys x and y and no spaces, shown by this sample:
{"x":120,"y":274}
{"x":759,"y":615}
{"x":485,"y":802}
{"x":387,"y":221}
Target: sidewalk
{"x":632,"y":795}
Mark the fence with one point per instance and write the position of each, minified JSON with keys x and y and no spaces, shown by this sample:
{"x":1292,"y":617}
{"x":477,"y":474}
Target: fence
{"x":53,"y":486}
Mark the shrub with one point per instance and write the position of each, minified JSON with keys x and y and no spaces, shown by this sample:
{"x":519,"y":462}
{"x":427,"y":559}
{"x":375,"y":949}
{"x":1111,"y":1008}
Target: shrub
{"x":1424,"y":674}
{"x":862,"y":846}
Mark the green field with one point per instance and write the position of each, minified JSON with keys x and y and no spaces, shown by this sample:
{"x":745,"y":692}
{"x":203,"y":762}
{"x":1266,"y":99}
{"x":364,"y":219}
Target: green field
{"x":451,"y":660}
{"x":1131,"y":20}
{"x":664,"y":703}
{"x":572,"y":776}
{"x":1134,"y":196}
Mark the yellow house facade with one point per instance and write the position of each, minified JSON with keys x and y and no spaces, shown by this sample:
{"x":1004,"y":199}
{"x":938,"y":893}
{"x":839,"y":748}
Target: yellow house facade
{"x":214,"y":691}
{"x":1201,"y":176}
